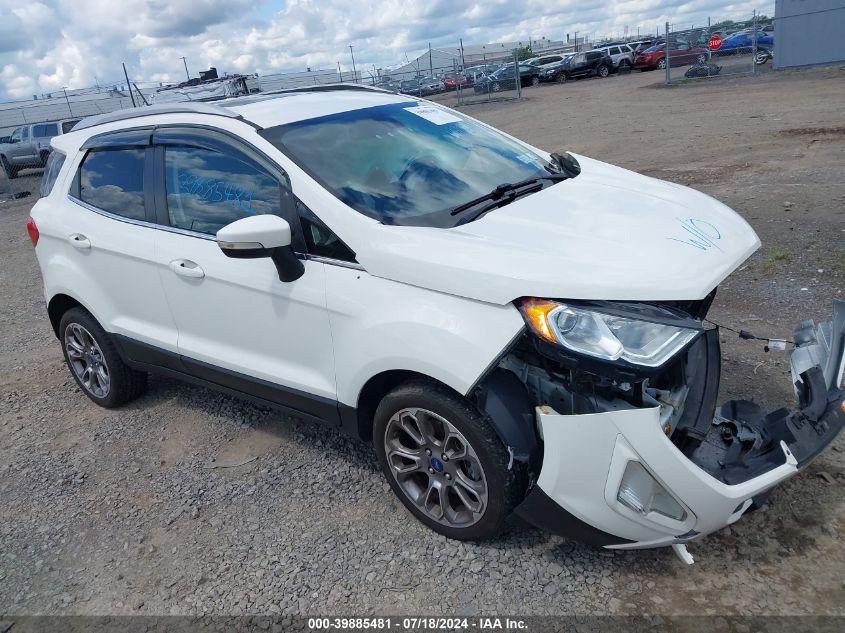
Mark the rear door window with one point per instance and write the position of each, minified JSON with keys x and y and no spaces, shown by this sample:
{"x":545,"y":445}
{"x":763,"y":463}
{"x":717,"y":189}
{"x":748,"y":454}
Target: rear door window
{"x":113,"y":180}
{"x":67,"y":126}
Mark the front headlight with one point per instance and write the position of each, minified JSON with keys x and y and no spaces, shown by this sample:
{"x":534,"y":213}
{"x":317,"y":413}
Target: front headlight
{"x":606,"y":336}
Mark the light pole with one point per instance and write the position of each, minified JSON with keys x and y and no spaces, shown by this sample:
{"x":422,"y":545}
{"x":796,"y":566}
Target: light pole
{"x":354,"y":72}
{"x":186,"y":68}
{"x":64,"y":89}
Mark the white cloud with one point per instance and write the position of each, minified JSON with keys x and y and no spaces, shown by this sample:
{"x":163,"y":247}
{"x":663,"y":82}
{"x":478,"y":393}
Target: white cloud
{"x":46,"y":44}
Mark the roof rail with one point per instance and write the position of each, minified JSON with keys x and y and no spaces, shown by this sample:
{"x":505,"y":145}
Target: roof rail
{"x":184,"y":107}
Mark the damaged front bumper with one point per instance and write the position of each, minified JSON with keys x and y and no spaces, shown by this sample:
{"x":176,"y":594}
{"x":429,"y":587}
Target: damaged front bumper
{"x":616,"y":479}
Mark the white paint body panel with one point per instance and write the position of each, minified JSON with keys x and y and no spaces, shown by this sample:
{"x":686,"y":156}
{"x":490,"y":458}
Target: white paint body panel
{"x":585,"y":456}
{"x":379,"y":325}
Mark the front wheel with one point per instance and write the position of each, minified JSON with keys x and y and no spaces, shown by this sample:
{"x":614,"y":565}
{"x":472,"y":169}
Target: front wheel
{"x":535,"y":80}
{"x":444,"y":461}
{"x":11,"y":172}
{"x":561,"y":78}
{"x":701,"y":59}
{"x":497,"y":87}
{"x":95,"y":363}
{"x":661,"y":65}
{"x":603,"y":71}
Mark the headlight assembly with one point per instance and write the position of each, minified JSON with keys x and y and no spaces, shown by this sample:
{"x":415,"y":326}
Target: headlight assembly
{"x":609,"y":337}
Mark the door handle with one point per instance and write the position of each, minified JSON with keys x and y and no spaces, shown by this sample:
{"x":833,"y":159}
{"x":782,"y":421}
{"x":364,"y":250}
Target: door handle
{"x":186,"y":268}
{"x":77,"y":240}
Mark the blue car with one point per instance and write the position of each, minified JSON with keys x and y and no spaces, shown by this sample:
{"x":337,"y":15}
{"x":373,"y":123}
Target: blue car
{"x":743,"y":43}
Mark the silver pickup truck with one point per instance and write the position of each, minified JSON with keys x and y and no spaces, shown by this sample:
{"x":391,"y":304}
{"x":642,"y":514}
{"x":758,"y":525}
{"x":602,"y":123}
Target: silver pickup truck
{"x":29,"y":145}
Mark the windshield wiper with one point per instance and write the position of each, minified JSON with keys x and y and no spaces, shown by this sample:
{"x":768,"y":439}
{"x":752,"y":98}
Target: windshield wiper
{"x":507,"y":193}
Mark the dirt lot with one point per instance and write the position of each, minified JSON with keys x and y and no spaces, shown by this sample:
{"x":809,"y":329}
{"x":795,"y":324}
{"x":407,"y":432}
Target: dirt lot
{"x":125,"y":511}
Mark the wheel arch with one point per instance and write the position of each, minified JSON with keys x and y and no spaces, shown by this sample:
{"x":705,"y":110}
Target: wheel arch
{"x":374,"y":390}
{"x":58,"y":305}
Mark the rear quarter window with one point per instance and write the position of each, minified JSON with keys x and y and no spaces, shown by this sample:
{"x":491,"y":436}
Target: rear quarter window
{"x":51,"y":173}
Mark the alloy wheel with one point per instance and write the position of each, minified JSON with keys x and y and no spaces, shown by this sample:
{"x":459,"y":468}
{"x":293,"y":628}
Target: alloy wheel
{"x":436,"y":467}
{"x":86,"y":360}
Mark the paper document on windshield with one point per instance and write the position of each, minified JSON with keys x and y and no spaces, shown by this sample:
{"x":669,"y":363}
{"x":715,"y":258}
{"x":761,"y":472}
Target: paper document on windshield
{"x":433,"y":114}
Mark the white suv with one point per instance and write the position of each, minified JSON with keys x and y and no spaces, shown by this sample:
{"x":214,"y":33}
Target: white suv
{"x":621,"y":54}
{"x":515,"y":331}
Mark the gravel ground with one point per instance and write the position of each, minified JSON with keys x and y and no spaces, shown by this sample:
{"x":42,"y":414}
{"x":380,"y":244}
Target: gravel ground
{"x":188,"y":502}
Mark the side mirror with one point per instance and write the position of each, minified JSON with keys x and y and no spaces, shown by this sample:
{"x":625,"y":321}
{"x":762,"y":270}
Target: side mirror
{"x":262,"y":236}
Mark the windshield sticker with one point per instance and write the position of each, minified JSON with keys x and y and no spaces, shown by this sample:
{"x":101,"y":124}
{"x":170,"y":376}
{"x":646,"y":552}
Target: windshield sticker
{"x":435,"y":115}
{"x":702,"y":234}
{"x":526,"y":158}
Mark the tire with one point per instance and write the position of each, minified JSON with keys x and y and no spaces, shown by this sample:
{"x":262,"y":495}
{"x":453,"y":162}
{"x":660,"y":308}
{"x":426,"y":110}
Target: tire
{"x":535,"y":80}
{"x":661,"y":65}
{"x":603,"y":71}
{"x":481,"y":477}
{"x":11,"y":172}
{"x":561,"y":78}
{"x":497,"y":87}
{"x":701,"y":59}
{"x":92,"y":348}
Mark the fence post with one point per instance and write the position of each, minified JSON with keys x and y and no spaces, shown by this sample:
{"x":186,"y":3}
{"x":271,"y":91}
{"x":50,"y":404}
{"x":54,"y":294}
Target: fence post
{"x":754,"y":43}
{"x":518,"y":77}
{"x":666,"y":57}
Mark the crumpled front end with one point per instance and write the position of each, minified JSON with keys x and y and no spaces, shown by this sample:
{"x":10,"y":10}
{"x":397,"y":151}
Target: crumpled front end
{"x":676,"y":468}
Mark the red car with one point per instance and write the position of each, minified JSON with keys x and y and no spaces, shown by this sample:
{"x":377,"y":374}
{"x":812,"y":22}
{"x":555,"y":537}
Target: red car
{"x":681,"y":54}
{"x":450,"y":82}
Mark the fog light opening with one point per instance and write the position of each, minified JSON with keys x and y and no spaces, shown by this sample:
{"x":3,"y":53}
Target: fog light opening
{"x":641,"y":492}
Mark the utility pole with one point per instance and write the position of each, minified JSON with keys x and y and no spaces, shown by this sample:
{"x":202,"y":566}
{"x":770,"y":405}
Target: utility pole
{"x":463,"y":63}
{"x":430,"y":64}
{"x":354,"y":72}
{"x":339,"y":71}
{"x":128,"y":85}
{"x":576,"y":41}
{"x":64,"y":89}
{"x":186,"y":68}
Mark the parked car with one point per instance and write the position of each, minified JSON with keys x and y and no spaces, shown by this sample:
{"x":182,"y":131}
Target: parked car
{"x":261,"y":256}
{"x":504,"y":79}
{"x":641,"y":45}
{"x":681,"y":54}
{"x":451,"y":82}
{"x":579,"y":65}
{"x":411,"y":87}
{"x":29,"y":145}
{"x":742,"y":43}
{"x":546,"y":61}
{"x":621,"y":55}
{"x":430,"y":85}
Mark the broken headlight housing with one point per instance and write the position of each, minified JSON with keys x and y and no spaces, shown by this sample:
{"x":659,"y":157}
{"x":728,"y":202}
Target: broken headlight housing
{"x":647,"y":339}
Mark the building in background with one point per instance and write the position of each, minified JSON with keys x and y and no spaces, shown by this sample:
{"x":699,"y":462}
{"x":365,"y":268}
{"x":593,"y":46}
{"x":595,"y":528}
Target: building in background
{"x":809,"y":32}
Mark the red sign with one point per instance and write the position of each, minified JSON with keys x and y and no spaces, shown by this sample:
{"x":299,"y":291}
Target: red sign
{"x":714,"y":43}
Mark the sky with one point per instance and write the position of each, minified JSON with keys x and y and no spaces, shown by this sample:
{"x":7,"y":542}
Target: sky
{"x":49,"y":44}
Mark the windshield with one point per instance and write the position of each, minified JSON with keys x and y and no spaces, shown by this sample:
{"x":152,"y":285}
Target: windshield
{"x":406,"y":163}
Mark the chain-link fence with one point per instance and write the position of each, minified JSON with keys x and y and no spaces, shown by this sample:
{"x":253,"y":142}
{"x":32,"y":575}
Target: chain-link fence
{"x":702,"y":52}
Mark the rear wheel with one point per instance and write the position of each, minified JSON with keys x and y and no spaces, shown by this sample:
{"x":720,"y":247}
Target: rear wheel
{"x":444,"y":461}
{"x":561,"y":78}
{"x":624,"y":65}
{"x":603,"y":71}
{"x":661,"y":64}
{"x":701,"y":59}
{"x":535,"y":80}
{"x":497,"y":87}
{"x":94,"y":362}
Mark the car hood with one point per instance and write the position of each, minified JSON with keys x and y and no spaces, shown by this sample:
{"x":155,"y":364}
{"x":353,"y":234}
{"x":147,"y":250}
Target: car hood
{"x":608,"y":234}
